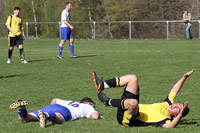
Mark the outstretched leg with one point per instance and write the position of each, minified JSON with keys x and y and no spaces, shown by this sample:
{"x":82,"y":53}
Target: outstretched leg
{"x":23,"y":115}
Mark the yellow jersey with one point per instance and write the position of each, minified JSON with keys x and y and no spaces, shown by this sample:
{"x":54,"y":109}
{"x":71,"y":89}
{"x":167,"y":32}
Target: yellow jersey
{"x":15,"y":23}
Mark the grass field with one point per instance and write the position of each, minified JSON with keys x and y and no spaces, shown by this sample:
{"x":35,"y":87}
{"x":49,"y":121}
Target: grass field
{"x":159,"y":64}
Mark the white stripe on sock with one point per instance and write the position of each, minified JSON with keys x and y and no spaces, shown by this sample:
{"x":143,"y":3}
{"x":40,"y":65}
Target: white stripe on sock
{"x":105,"y":85}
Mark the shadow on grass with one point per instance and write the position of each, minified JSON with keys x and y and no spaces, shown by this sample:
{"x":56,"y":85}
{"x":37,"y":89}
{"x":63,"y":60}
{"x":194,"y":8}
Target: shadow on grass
{"x":48,"y":124}
{"x":11,"y":76}
{"x":31,"y":61}
{"x":85,"y":56}
{"x":189,"y":122}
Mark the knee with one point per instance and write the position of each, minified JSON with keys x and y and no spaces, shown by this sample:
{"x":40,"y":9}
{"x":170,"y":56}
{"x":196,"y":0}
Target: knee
{"x":21,"y":119}
{"x":132,"y":104}
{"x":133,"y":78}
{"x":62,"y":42}
{"x":71,"y":41}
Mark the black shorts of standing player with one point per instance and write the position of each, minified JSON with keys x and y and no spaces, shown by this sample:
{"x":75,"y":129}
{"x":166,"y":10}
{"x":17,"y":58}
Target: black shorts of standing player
{"x":15,"y":41}
{"x":121,"y":112}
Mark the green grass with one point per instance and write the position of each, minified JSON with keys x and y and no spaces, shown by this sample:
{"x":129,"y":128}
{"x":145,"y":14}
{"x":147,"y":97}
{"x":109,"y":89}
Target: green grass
{"x":159,"y":64}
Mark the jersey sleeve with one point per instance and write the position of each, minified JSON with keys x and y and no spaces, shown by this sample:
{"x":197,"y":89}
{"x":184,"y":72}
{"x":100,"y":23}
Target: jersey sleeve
{"x":64,"y":16}
{"x":60,"y":102}
{"x":90,"y":110}
{"x":8,"y":21}
{"x":170,"y":98}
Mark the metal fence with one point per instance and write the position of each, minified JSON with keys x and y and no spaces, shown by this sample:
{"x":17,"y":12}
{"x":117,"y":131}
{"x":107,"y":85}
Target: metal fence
{"x":170,"y":29}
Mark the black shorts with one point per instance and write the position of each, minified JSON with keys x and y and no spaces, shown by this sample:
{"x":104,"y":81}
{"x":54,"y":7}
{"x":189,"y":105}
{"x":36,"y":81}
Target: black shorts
{"x":121,"y":111}
{"x":18,"y":40}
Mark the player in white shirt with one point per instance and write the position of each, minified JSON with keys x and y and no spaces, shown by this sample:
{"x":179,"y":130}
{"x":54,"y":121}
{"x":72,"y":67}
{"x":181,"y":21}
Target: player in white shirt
{"x":66,"y":31}
{"x":58,"y":112}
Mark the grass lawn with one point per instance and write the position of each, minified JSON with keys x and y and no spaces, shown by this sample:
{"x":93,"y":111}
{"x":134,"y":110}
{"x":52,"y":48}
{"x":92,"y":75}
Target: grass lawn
{"x":159,"y":64}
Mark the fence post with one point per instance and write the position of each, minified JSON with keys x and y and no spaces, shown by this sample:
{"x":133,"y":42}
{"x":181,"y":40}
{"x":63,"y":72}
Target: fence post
{"x":59,"y":23}
{"x":167,"y":30}
{"x":199,"y":28}
{"x":26,"y":29}
{"x":94,"y":33}
{"x":129,"y":29}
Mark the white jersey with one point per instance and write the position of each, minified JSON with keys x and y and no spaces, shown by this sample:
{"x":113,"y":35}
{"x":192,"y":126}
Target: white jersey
{"x":65,"y":16}
{"x":77,"y":110}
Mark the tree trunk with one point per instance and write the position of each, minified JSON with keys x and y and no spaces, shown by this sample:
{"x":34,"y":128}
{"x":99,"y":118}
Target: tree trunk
{"x":35,"y":20}
{"x":90,"y":18}
{"x":45,"y":14}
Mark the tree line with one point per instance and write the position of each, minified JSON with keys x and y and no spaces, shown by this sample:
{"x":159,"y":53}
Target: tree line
{"x":102,"y":11}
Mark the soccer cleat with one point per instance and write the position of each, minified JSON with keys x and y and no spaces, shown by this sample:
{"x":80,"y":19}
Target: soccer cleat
{"x":18,"y":104}
{"x":60,"y":57}
{"x":23,"y":61}
{"x":73,"y":56}
{"x":103,"y":98}
{"x":98,"y":82}
{"x":8,"y":61}
{"x":43,"y":118}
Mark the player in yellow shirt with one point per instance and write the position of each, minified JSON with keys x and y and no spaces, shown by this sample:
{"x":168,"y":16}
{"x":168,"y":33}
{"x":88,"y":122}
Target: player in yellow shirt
{"x":131,"y":113}
{"x":16,"y":34}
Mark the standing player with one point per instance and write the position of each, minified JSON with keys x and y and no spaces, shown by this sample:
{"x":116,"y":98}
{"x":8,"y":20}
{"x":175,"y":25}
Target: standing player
{"x":16,"y":34}
{"x":66,"y":31}
{"x":131,"y":113}
{"x":58,"y":112}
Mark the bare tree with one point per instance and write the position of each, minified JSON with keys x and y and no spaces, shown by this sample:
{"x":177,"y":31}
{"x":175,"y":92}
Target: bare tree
{"x":35,"y":20}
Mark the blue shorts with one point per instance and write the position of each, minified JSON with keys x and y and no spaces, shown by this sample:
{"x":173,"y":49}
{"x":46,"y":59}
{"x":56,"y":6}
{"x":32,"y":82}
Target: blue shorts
{"x":66,"y":33}
{"x":56,"y":108}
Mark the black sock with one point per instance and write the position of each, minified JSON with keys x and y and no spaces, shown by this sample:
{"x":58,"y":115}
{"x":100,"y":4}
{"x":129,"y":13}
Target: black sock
{"x":114,"y":82}
{"x":116,"y":103}
{"x":21,"y":51}
{"x":10,"y":53}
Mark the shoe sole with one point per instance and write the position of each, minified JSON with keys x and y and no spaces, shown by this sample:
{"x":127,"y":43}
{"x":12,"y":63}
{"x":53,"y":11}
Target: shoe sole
{"x":60,"y":57}
{"x":17,"y":104}
{"x":93,"y":76}
{"x":42,"y":119}
{"x":100,"y":99}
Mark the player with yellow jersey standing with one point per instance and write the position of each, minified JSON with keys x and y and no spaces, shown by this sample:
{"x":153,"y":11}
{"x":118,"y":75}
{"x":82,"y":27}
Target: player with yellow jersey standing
{"x":16,"y":34}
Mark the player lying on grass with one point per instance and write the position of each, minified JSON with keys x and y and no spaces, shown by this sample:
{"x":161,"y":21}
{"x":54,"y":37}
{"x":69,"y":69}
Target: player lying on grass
{"x":58,"y":112}
{"x":131,"y":113}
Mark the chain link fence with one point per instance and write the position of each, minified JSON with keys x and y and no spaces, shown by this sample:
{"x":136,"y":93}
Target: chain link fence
{"x":172,"y":29}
